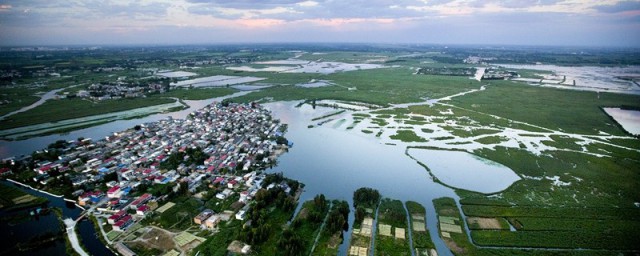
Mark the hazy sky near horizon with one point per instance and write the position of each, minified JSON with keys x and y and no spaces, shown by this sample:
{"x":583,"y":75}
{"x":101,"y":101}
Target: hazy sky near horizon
{"x":519,"y":22}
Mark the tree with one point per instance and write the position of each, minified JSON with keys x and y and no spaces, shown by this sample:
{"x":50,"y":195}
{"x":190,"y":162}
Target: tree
{"x":290,"y":243}
{"x":366,"y":197}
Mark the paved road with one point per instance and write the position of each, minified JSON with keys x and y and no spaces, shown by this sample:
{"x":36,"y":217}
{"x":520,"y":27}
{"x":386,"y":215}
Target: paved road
{"x":73,"y":237}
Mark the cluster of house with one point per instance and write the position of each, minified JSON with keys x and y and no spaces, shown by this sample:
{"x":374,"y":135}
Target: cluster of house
{"x":119,"y":90}
{"x":478,"y":60}
{"x":208,"y":219}
{"x":498,"y":74}
{"x":234,"y":138}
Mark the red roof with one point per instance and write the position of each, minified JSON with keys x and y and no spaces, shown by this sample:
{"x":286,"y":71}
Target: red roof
{"x":143,"y":208}
{"x":113,"y":189}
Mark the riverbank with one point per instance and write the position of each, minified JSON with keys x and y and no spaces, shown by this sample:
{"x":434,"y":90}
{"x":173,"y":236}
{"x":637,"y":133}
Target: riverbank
{"x":82,"y":235}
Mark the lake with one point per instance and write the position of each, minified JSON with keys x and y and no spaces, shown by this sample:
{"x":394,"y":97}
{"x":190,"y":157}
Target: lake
{"x":329,"y":159}
{"x":335,"y":163}
{"x":465,"y":171}
{"x":628,"y":119}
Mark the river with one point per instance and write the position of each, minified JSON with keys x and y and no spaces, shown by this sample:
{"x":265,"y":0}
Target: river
{"x":43,"y":98}
{"x":23,"y":231}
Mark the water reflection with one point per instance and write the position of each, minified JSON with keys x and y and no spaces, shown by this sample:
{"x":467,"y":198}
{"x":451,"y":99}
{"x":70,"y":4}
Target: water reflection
{"x":336,"y":163}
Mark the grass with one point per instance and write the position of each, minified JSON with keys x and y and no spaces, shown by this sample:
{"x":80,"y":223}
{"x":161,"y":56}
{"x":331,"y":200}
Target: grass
{"x":195,"y":94}
{"x":12,"y":198}
{"x":328,"y":115}
{"x":490,"y":140}
{"x":392,"y":213}
{"x":377,"y":86}
{"x":307,"y":229}
{"x":18,"y":98}
{"x":328,"y":243}
{"x":58,"y":110}
{"x":217,"y":244}
{"x":180,"y":216}
{"x":596,"y":205}
{"x":563,"y":142}
{"x":569,"y":111}
{"x":407,"y":136}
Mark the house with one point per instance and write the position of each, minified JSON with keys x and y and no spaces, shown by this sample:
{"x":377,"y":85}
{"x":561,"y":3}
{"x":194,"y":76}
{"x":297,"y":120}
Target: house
{"x":244,"y":197}
{"x":114,"y":192}
{"x":203,"y":216}
{"x":212,"y":221}
{"x":123,"y":223}
{"x":91,"y":197}
{"x":141,"y":200}
{"x":143,"y":210}
{"x":242,"y":214}
{"x":224,"y":194}
{"x":116,"y":217}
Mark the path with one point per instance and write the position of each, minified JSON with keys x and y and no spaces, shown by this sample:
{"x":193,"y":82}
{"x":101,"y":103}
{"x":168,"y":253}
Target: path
{"x":43,"y":98}
{"x":73,"y":237}
{"x":315,"y":241}
{"x":84,"y":121}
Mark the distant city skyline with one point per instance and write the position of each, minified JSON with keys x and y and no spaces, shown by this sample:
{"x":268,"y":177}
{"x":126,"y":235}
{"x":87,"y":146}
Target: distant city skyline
{"x":505,"y":22}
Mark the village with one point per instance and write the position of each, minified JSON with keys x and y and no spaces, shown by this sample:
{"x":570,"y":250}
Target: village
{"x":217,"y":153}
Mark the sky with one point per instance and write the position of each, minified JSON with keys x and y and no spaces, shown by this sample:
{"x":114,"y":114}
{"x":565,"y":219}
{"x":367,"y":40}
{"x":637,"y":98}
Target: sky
{"x":163,"y":22}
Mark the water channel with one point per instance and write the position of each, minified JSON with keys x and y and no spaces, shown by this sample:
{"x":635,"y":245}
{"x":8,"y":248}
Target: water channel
{"x":25,"y":230}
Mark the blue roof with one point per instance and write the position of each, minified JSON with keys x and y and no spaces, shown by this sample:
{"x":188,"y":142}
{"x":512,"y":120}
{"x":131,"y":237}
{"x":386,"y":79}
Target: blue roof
{"x":103,"y":169}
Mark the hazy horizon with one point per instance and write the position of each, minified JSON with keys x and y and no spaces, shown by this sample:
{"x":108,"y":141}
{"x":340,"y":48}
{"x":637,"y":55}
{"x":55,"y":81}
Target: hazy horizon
{"x":612,"y":23}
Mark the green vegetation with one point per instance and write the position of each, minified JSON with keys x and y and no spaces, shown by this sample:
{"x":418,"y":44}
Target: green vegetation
{"x":392,"y":237}
{"x":332,"y":234}
{"x":563,"y":142}
{"x":58,"y":110}
{"x":17,"y":98}
{"x":573,"y":213}
{"x":457,"y":242}
{"x":492,"y":140}
{"x":272,"y":209}
{"x":373,"y":86}
{"x":421,"y":237}
{"x":304,"y":228}
{"x":179,"y":217}
{"x":328,"y":115}
{"x":566,"y":110}
{"x":13,"y":198}
{"x":195,"y":94}
{"x":364,"y":198}
{"x":407,"y":136}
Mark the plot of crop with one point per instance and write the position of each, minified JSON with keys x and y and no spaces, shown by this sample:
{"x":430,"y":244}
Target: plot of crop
{"x":385,"y":230}
{"x":450,"y":228}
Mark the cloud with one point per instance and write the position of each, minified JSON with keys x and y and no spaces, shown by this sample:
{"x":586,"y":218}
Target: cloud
{"x":248,"y":4}
{"x":624,"y":6}
{"x":462,"y":21}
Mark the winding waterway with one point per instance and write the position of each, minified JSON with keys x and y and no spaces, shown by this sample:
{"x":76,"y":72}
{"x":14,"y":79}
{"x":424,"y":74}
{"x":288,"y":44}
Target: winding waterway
{"x":43,"y":98}
{"x":23,"y":231}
